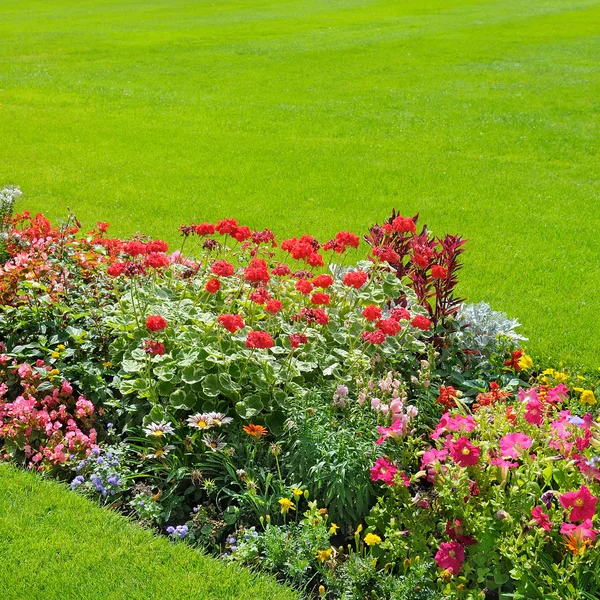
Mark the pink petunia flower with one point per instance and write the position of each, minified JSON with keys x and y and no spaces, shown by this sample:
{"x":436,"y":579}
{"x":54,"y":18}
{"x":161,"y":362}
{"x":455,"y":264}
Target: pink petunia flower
{"x":383,"y":470}
{"x":513,"y":444}
{"x":450,"y":556}
{"x":541,"y":518}
{"x":581,"y":503}
{"x":534,"y":413}
{"x":464,"y":453}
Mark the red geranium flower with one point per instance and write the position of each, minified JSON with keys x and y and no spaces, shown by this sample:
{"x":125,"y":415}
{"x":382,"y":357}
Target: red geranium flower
{"x":256,"y":271}
{"x":464,"y":453}
{"x":273,"y":306}
{"x":227,"y":226}
{"x":371,"y":312}
{"x":400,"y":314}
{"x":421,"y":322}
{"x":346,"y":238}
{"x":323,"y":281}
{"x":420,"y":260}
{"x":389,"y":326}
{"x":116,"y":269}
{"x":204,"y":229}
{"x":231,"y":322}
{"x":403,"y":225}
{"x":281,"y":270}
{"x":156,"y":260}
{"x":450,"y":557}
{"x":303,"y":286}
{"x":156,"y":323}
{"x":297,"y":339}
{"x":374,"y":337}
{"x":438,"y":272}
{"x":582,"y":503}
{"x":315,"y":260}
{"x":260,"y":295}
{"x":213,"y":285}
{"x":134,"y":248}
{"x":355,"y":279}
{"x":156,"y":246}
{"x":242,"y":233}
{"x":320,"y":298}
{"x":222,"y":268}
{"x":153,"y":348}
{"x":259,"y":339}
{"x":386,"y":254}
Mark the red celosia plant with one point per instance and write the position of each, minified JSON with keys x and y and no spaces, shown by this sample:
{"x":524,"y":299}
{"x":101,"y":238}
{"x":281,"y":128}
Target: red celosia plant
{"x":428,"y":265}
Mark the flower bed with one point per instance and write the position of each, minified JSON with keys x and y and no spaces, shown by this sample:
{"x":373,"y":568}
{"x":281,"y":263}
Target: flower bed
{"x":357,"y":430}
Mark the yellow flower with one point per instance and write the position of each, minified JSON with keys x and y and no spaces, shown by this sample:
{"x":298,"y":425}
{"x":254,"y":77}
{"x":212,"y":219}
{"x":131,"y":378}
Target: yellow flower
{"x":61,"y":347}
{"x":560,"y":377}
{"x":323,"y":555}
{"x":587,"y":397}
{"x":55,"y":355}
{"x":54,"y":372}
{"x":578,"y":390}
{"x":297,"y":492}
{"x":359,"y":528}
{"x":371,"y":539}
{"x":286,"y":505}
{"x":321,"y":591}
{"x":525,"y":362}
{"x":107,"y":364}
{"x":333,"y":528}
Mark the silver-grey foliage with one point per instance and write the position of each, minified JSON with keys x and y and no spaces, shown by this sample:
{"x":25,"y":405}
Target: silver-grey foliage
{"x":485,"y":330}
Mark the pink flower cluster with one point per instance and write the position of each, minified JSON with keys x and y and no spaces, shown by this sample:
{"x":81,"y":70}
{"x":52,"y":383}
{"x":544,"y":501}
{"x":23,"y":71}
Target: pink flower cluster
{"x":50,"y":426}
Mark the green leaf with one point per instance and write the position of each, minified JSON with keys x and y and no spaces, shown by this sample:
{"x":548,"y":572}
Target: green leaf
{"x":210,"y":385}
{"x":192,"y":374}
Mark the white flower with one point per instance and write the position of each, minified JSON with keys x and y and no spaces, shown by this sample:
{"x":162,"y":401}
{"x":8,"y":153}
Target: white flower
{"x":214,"y":443}
{"x":219,"y":418}
{"x":158,"y":429}
{"x":162,"y":452}
{"x":200,"y":421}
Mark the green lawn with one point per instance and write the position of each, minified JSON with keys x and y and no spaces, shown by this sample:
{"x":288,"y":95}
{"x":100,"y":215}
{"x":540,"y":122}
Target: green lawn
{"x":55,"y":544}
{"x":321,"y":115}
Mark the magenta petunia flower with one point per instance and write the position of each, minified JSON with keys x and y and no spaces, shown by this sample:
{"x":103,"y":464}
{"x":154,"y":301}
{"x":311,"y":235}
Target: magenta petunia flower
{"x":450,"y":556}
{"x":534,"y":413}
{"x":581,"y":503}
{"x":463,"y":452}
{"x":513,"y":444}
{"x":541,"y":518}
{"x":383,"y":470}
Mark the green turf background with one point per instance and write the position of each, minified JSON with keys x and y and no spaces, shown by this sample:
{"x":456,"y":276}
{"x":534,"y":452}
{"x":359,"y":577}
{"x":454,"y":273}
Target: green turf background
{"x":56,"y":545}
{"x":314,"y":116}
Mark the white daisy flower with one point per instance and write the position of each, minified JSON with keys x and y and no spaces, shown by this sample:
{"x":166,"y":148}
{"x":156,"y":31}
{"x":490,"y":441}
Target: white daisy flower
{"x":213,"y":442}
{"x":162,"y":451}
{"x":219,"y":418}
{"x":158,"y":429}
{"x":200,"y":421}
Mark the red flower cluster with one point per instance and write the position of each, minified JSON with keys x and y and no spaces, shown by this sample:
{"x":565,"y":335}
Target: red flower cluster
{"x":304,"y":287}
{"x":213,"y":285}
{"x":153,"y":348}
{"x":355,"y":279}
{"x":259,"y":339}
{"x":156,"y":323}
{"x":222,"y":268}
{"x":319,"y":298}
{"x":231,"y":322}
{"x":371,"y":312}
{"x":374,"y":337}
{"x":323,"y":281}
{"x":257,"y":271}
{"x":297,"y":339}
{"x":421,"y":322}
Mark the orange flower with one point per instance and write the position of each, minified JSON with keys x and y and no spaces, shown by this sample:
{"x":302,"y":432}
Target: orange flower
{"x":256,"y":431}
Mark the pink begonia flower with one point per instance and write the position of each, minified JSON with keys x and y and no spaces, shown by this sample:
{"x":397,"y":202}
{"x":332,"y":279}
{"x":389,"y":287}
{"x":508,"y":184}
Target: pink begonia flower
{"x":513,"y":444}
{"x":541,"y":518}
{"x":464,"y":453}
{"x":534,"y":413}
{"x":450,"y":556}
{"x":581,"y":503}
{"x":24,"y":370}
{"x":557,"y":394}
{"x":383,"y":470}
